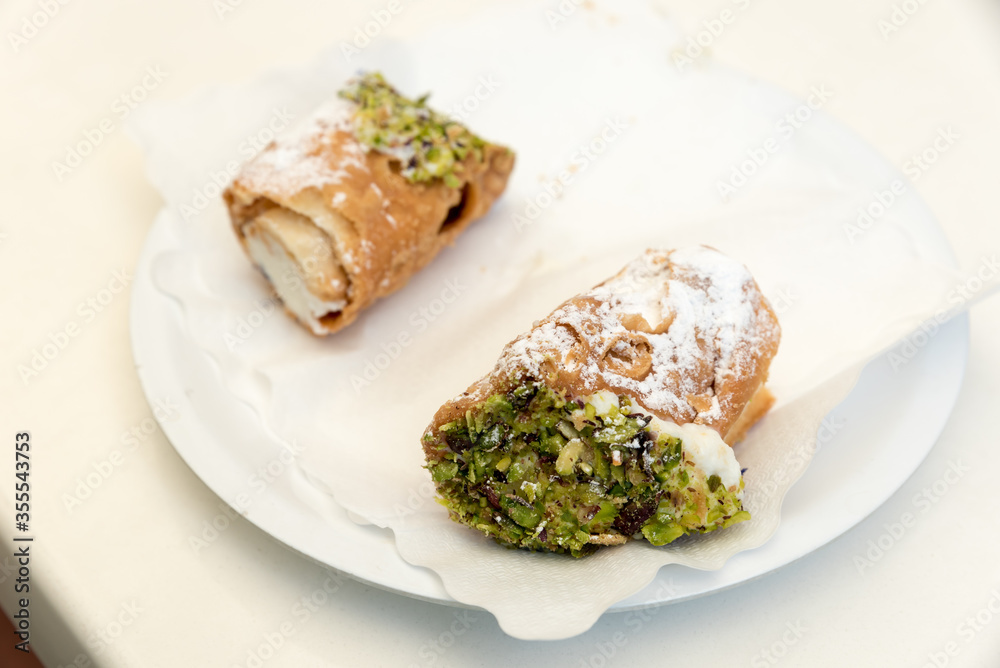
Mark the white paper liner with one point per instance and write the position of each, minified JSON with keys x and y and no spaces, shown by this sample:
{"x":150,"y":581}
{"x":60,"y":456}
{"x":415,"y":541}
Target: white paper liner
{"x":358,"y":402}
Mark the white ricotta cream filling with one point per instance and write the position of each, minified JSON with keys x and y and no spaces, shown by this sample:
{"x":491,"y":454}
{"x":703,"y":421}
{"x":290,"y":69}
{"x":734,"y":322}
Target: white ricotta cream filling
{"x":602,"y":401}
{"x":286,"y":277}
{"x":702,"y":444}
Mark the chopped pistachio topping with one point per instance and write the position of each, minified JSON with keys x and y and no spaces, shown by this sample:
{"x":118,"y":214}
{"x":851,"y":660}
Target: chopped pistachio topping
{"x":428,"y":144}
{"x":534,"y":470}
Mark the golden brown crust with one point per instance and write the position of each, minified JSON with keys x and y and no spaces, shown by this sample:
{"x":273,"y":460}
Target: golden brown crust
{"x":380,"y":227}
{"x":758,"y":406}
{"x":685,"y":334}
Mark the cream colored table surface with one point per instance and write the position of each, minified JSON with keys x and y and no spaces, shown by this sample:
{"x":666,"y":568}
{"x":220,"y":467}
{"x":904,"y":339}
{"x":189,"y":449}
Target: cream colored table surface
{"x":114,"y":580}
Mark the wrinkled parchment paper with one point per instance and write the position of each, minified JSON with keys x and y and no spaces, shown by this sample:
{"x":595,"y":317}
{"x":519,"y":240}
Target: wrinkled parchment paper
{"x":618,"y":150}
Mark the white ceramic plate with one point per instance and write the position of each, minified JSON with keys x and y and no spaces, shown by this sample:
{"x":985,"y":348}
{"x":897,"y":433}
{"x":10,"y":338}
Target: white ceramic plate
{"x":688,"y":131}
{"x":221,"y":440}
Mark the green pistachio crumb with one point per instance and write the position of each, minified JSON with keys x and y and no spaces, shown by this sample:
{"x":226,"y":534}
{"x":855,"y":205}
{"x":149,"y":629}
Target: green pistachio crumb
{"x":428,"y":144}
{"x":515,"y":468}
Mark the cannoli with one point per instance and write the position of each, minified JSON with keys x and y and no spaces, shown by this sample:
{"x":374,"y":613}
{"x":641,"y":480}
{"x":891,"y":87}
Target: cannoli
{"x":345,"y":209}
{"x":613,"y":418}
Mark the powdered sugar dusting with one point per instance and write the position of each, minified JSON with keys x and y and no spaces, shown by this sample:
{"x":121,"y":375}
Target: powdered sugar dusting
{"x":669,"y":330}
{"x":300,"y":158}
{"x":727,"y":308}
